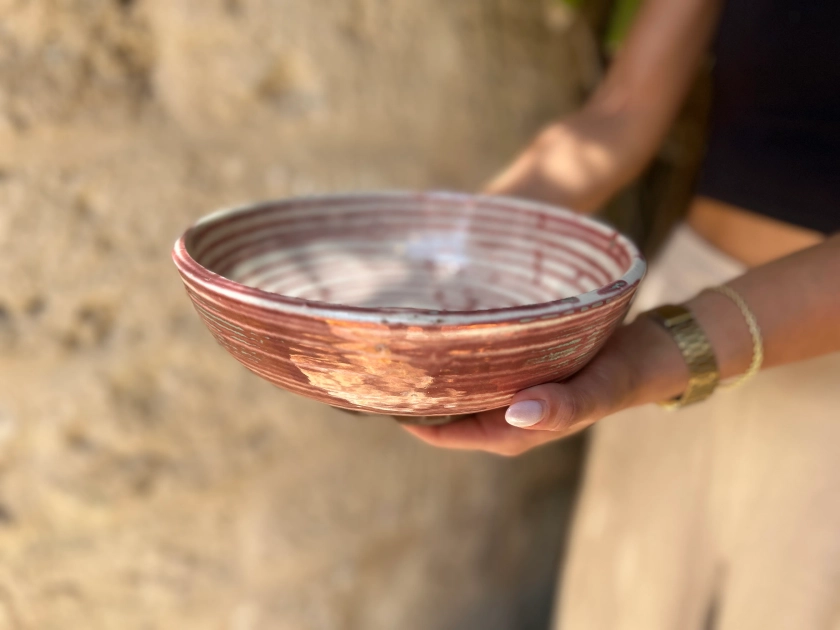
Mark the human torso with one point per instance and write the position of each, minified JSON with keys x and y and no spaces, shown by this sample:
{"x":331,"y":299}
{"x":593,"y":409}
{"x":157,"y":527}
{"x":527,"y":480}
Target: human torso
{"x":775,"y":129}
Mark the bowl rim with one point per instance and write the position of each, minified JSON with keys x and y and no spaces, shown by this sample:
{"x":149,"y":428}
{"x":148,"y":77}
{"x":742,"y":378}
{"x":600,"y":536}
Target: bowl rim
{"x":213,"y":283}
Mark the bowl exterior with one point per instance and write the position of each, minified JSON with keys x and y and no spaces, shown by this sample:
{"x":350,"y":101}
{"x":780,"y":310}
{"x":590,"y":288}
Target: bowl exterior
{"x":410,"y":362}
{"x":401,"y":369}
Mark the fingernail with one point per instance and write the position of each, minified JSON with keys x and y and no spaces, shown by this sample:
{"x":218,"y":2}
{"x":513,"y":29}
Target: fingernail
{"x":525,"y":413}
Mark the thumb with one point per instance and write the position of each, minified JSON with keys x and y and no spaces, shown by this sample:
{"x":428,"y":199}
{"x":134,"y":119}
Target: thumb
{"x":580,"y":401}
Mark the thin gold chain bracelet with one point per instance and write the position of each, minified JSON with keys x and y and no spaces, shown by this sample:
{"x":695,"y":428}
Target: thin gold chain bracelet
{"x":755,"y":333}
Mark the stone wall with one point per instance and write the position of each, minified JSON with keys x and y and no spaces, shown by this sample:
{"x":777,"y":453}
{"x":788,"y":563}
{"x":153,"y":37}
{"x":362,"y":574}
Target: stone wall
{"x":147,"y":480}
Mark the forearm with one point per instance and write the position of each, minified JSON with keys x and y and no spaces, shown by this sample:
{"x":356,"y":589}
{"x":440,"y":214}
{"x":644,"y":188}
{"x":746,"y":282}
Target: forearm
{"x":653,"y":72}
{"x":584,"y":159}
{"x":796,"y":301}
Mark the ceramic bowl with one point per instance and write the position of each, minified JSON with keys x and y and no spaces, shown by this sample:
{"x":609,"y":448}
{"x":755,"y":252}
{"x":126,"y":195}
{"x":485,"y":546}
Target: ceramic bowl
{"x":409,"y":304}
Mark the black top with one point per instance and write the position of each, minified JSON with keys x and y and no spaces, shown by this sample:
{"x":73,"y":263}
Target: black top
{"x":774,"y":142}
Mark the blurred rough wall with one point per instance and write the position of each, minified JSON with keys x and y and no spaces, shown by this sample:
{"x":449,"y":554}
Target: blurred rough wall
{"x":146,"y":480}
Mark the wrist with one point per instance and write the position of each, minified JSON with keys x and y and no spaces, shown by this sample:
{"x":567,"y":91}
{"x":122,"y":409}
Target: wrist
{"x":634,"y":138}
{"x":654,"y":362}
{"x":727,"y":331}
{"x":655,"y":359}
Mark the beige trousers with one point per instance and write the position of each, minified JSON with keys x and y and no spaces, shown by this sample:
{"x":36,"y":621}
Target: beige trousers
{"x":724,"y":515}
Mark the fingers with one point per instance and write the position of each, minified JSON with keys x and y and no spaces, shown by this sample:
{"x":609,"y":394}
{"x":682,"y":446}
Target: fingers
{"x":462,"y":433}
{"x":485,"y":432}
{"x":543,"y":413}
{"x":537,"y":415}
{"x":563,"y":407}
{"x":551,"y":407}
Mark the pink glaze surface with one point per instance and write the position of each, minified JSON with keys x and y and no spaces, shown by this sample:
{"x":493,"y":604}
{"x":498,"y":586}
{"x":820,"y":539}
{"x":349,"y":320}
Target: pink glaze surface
{"x":413,"y":304}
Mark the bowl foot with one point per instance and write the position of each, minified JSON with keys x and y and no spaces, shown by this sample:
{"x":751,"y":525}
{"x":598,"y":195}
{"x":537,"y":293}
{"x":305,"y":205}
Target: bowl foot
{"x":428,"y":421}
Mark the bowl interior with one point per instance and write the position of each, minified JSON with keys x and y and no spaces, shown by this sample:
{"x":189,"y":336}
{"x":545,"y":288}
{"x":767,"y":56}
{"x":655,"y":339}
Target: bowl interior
{"x":432,"y":251}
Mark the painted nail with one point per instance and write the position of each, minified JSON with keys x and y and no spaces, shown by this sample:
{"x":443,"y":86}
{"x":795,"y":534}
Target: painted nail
{"x":525,"y":413}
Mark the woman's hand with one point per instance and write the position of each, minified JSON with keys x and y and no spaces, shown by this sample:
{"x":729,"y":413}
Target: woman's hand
{"x":639,"y":364}
{"x":578,"y":162}
{"x":795,"y":299}
{"x":586,"y":158}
